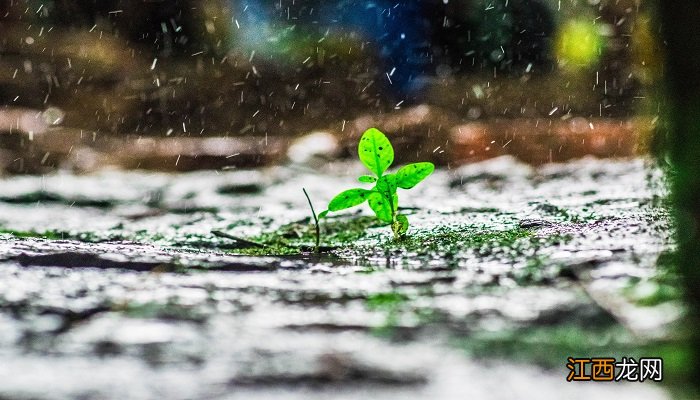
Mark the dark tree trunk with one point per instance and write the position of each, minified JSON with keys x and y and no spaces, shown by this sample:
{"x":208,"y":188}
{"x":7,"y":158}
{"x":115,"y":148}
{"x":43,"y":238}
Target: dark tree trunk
{"x":680,"y":26}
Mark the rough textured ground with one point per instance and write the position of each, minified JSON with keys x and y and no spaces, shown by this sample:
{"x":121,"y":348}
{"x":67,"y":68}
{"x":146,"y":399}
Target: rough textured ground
{"x":113,"y":285}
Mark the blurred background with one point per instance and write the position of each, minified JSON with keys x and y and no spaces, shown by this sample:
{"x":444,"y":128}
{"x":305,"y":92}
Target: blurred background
{"x":191,"y":84}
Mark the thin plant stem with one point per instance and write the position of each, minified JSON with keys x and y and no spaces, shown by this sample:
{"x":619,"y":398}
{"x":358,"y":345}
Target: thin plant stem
{"x":394,"y":209}
{"x":318,"y":228}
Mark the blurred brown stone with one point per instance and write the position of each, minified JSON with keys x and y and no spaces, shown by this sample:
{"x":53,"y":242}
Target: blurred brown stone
{"x":539,"y":140}
{"x":430,"y":133}
{"x":22,"y":120}
{"x":88,"y":151}
{"x":418,"y":134}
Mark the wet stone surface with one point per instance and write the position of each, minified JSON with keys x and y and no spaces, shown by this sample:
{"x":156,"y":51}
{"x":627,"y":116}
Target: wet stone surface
{"x":114,"y":285}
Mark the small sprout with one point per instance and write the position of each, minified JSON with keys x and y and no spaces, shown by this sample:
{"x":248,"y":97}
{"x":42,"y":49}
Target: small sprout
{"x":377,"y":154}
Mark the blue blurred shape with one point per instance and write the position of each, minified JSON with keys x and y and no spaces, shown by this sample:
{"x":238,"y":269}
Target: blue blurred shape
{"x":398,"y":30}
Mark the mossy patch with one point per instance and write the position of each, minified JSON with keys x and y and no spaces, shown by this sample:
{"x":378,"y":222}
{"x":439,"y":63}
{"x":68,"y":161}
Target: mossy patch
{"x":452,"y":243}
{"x":663,"y":286}
{"x":540,"y":270}
{"x":564,"y":215}
{"x":549,"y":347}
{"x":385,"y":300}
{"x":395,"y":306}
{"x":299,"y":237}
{"x":50,"y":235}
{"x":366,"y":237}
{"x":449,"y":239}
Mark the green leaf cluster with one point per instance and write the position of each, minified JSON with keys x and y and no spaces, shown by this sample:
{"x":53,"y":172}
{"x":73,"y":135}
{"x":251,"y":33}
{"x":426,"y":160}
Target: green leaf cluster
{"x":377,"y":154}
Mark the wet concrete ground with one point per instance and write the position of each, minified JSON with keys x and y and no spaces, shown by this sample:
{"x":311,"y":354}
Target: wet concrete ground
{"x":113,"y":285}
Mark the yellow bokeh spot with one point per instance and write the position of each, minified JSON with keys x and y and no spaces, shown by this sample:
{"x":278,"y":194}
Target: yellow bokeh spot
{"x":578,"y":44}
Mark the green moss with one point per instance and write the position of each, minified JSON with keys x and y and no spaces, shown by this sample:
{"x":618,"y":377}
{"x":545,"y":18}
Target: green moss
{"x":565,"y":215}
{"x":450,"y":242}
{"x":446,"y":238}
{"x":366,"y":237}
{"x":544,"y":346}
{"x":540,"y":270}
{"x":334,"y":231}
{"x":385,"y":301}
{"x":298,"y":237}
{"x":360,"y":237}
{"x":664,"y":286}
{"x":50,"y":235}
{"x":653,"y":293}
{"x":269,"y":250}
{"x":392,"y":305}
{"x":549,"y":347}
{"x":88,"y":237}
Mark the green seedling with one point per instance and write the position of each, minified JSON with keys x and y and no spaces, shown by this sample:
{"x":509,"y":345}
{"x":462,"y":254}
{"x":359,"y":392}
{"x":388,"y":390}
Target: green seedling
{"x":377,"y":154}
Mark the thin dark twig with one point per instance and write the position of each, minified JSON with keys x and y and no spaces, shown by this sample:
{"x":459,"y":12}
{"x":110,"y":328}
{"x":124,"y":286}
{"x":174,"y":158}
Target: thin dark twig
{"x":237,"y":239}
{"x":318,"y":229}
